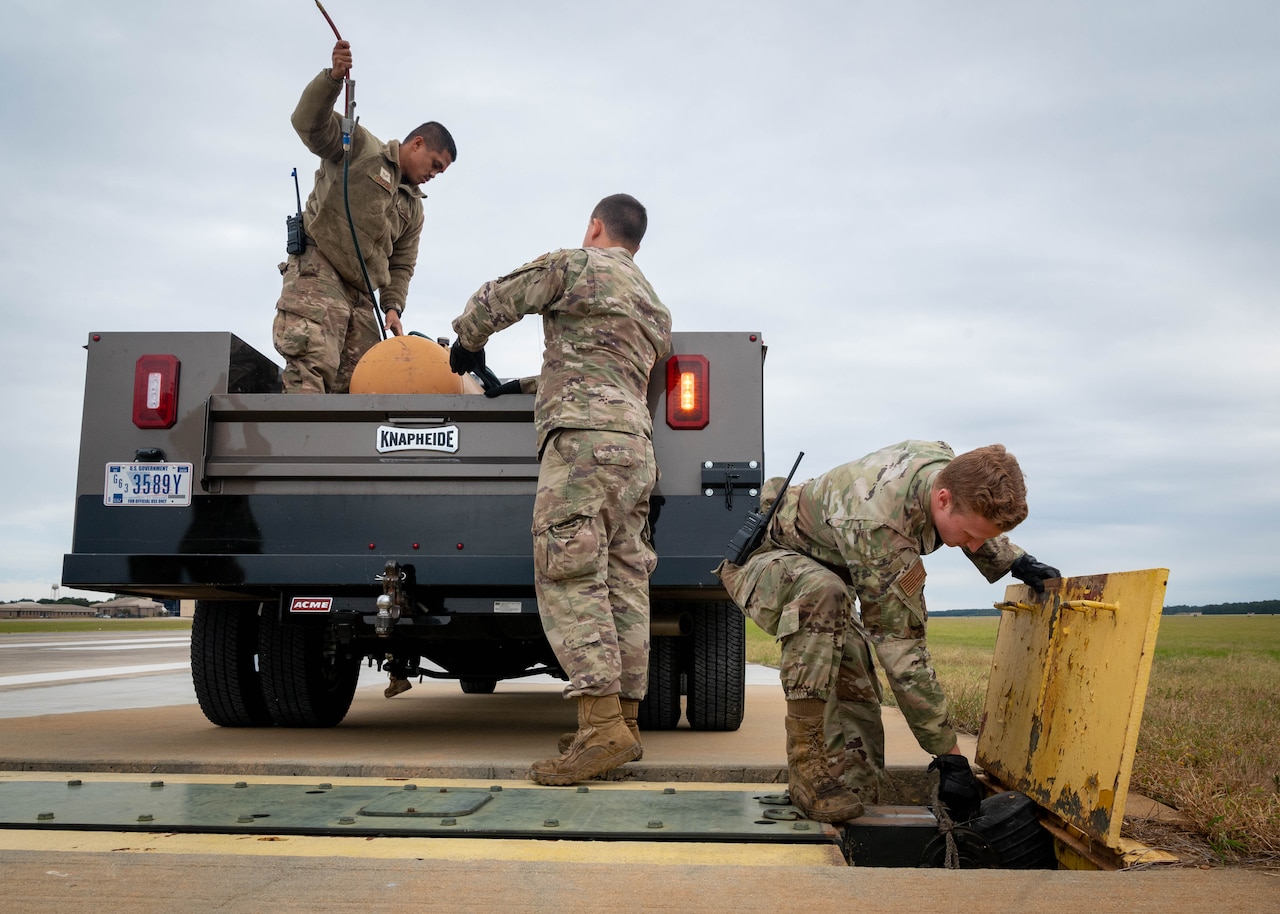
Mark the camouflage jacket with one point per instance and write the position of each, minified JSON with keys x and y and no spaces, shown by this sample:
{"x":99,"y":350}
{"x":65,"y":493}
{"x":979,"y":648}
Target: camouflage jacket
{"x":871,"y":519}
{"x":603,"y":328}
{"x":387,"y":213}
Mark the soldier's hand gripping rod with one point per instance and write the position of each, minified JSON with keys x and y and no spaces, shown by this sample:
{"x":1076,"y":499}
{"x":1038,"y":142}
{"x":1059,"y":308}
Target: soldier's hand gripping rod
{"x":348,"y":84}
{"x":348,"y":125}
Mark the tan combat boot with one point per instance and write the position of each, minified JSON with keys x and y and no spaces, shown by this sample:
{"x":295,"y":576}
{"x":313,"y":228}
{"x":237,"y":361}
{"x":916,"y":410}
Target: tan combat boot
{"x":630,"y":711}
{"x":602,"y":743}
{"x":813,"y":790}
{"x":396,"y":686}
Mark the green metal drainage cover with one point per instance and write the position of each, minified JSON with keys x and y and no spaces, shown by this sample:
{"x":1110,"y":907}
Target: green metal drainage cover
{"x":657,"y":814}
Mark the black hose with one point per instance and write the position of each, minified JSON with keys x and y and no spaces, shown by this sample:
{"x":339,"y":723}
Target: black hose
{"x":346,"y":200}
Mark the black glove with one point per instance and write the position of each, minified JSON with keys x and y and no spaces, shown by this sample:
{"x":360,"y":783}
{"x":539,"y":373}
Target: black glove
{"x":462,"y":360}
{"x":507,"y":387}
{"x":958,"y":789}
{"x":1027,"y":570}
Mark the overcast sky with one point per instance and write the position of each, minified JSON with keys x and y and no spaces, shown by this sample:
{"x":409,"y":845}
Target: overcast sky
{"x":1053,"y":226}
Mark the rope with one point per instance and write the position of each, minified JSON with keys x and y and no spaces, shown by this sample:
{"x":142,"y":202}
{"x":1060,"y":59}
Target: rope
{"x":945,"y":827}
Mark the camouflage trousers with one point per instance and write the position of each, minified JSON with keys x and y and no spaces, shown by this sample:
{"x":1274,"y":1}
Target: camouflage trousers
{"x":825,"y":654}
{"x":322,"y":327}
{"x":592,"y":558}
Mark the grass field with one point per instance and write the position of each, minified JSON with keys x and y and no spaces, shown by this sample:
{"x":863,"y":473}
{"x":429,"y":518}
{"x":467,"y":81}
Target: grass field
{"x":1209,"y":745}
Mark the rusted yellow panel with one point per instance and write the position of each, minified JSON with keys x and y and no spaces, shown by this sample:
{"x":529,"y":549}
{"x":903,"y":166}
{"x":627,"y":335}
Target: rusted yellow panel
{"x":1067,"y":687}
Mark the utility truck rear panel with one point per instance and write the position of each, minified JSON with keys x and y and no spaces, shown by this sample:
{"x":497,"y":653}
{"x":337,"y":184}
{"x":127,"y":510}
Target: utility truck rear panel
{"x":318,"y":531}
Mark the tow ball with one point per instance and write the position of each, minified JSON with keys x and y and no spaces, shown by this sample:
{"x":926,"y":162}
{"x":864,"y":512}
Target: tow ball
{"x":392,"y":603}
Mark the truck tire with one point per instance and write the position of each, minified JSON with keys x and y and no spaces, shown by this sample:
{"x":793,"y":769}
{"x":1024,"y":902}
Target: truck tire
{"x":660,"y":709}
{"x":308,"y":679}
{"x":478,"y":686}
{"x":717,"y":671}
{"x":224,"y":648}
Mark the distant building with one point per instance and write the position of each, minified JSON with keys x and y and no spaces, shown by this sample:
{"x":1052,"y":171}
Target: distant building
{"x":132,"y":608}
{"x":119,"y":608}
{"x":29,"y":610}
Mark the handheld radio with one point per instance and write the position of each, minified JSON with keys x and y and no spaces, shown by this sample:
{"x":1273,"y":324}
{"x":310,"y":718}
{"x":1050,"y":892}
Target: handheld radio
{"x":297,"y":239}
{"x":752,"y":531}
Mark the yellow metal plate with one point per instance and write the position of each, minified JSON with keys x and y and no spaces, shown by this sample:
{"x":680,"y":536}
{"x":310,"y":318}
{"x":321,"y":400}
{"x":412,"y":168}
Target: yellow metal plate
{"x":1067,"y":687}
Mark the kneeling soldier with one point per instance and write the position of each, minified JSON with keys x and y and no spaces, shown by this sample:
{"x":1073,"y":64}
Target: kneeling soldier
{"x":858,"y":531}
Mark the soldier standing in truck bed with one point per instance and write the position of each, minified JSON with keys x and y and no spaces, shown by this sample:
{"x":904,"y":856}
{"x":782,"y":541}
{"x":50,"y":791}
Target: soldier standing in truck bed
{"x":860,"y":530}
{"x":604,"y":330}
{"x":324,"y":319}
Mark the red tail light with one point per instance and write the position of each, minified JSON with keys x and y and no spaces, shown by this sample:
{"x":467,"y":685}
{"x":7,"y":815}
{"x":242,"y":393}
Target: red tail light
{"x":688,"y":392}
{"x":155,"y":391}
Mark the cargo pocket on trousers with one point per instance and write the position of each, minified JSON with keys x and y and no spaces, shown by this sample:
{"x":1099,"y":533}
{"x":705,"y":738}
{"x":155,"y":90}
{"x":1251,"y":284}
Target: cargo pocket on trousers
{"x":298,"y":329}
{"x":296,"y":336}
{"x":582,"y":634}
{"x":788,"y":621}
{"x":569,"y":549}
{"x":777,"y":621}
{"x":756,"y":587}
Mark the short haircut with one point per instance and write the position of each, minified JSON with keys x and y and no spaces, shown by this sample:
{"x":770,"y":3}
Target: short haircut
{"x":987,"y":482}
{"x":436,"y":137}
{"x":624,"y":218}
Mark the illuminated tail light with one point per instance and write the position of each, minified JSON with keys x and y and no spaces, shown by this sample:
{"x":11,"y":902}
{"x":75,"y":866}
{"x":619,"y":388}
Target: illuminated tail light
{"x":688,"y":392}
{"x":155,"y":391}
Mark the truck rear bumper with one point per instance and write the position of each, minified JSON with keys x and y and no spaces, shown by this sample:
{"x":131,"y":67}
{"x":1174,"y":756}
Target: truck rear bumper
{"x":259,"y":546}
{"x":214,"y":577}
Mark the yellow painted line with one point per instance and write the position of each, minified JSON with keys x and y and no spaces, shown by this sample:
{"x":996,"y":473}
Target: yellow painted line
{"x":454,"y":849}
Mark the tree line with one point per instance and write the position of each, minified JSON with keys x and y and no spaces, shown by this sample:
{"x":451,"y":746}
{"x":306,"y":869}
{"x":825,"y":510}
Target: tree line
{"x":1257,"y":608}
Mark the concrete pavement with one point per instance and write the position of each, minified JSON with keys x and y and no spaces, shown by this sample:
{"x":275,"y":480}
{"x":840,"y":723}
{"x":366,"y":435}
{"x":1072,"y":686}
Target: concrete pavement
{"x":436,"y":731}
{"x":433,"y":730}
{"x":124,"y":878}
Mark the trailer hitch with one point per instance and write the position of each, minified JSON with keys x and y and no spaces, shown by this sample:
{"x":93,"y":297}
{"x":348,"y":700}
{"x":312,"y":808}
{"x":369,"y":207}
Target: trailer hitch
{"x":392,"y":602}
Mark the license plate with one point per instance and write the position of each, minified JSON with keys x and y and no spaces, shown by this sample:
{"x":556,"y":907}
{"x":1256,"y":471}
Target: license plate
{"x":132,"y":484}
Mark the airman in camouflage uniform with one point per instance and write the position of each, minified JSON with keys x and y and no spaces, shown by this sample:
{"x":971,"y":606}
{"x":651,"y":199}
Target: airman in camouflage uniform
{"x":324,"y":319}
{"x":604,"y":329}
{"x":858,"y":533}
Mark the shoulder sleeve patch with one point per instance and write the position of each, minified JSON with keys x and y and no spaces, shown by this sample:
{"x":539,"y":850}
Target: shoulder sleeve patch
{"x":538,"y":263}
{"x":912,"y":580}
{"x":383,"y":178}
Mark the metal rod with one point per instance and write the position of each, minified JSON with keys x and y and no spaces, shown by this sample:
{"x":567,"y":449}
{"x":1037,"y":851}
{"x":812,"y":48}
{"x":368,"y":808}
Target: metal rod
{"x":1081,"y":605}
{"x":324,"y":13}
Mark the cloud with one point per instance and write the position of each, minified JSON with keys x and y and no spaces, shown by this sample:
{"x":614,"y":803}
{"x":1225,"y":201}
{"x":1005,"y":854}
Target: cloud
{"x":1050,"y":227}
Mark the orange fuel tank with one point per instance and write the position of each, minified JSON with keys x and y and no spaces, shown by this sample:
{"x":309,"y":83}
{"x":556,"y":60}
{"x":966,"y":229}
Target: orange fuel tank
{"x":409,"y":364}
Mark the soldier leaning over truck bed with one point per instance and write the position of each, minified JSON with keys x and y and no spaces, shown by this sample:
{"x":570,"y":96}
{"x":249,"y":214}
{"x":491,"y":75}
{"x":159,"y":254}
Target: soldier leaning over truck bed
{"x":604,"y":330}
{"x":860,"y":530}
{"x":324,"y":319}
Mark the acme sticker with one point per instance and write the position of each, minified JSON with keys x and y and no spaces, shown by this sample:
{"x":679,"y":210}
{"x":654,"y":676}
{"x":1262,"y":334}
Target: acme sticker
{"x":444,"y":438}
{"x":310,"y":604}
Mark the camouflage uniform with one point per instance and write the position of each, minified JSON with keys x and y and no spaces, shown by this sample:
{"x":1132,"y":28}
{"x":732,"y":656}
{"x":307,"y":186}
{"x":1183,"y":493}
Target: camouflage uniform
{"x":324,"y":321}
{"x":323,"y":326}
{"x":858,"y":532}
{"x":604,"y":329}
